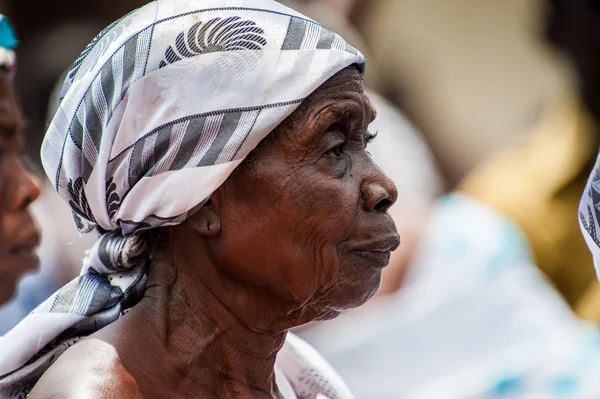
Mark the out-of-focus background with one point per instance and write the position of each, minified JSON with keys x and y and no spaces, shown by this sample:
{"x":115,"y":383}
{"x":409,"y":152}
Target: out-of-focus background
{"x":490,"y":148}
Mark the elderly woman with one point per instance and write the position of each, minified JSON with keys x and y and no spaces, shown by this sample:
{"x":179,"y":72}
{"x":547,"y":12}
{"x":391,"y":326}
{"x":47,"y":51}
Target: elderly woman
{"x":220,"y":151}
{"x":18,"y":187}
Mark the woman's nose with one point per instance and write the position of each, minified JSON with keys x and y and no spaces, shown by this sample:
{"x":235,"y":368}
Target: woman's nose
{"x":22,"y":188}
{"x":379,"y":192}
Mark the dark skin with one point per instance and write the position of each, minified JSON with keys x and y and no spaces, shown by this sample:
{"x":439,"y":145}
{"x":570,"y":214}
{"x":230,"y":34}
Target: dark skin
{"x":18,"y":189}
{"x":299,"y":232}
{"x":574,"y":27}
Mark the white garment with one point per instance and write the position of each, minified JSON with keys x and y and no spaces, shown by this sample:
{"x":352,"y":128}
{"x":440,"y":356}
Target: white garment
{"x":309,"y":374}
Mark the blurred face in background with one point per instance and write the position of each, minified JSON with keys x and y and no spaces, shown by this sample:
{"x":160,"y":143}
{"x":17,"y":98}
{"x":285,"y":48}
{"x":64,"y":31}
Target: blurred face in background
{"x":574,"y":27}
{"x":19,"y":236}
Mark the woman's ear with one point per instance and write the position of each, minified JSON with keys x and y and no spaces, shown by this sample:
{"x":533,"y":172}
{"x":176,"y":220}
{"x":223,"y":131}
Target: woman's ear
{"x":206,"y":220}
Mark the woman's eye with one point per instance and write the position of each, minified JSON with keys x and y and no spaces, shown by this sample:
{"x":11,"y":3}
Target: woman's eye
{"x":337,"y":151}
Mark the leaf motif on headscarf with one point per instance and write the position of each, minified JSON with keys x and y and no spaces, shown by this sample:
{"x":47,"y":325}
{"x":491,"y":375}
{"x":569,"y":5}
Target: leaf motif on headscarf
{"x":79,"y":203}
{"x":113,"y":201}
{"x":216,"y":35}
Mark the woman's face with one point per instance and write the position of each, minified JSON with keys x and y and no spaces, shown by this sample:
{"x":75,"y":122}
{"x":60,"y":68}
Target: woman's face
{"x":305,"y":218}
{"x":18,"y":188}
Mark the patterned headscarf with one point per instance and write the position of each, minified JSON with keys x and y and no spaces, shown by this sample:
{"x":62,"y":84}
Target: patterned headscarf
{"x":589,"y":215}
{"x":155,"y":114}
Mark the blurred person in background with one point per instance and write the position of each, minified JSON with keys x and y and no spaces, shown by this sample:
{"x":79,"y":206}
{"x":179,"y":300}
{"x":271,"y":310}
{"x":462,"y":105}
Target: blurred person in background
{"x":61,"y":248}
{"x":19,"y":235}
{"x":537,"y":182}
{"x":50,"y":39}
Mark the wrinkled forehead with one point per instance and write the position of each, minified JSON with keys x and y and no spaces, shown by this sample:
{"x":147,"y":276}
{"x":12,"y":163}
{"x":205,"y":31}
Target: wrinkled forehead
{"x":343,"y":93}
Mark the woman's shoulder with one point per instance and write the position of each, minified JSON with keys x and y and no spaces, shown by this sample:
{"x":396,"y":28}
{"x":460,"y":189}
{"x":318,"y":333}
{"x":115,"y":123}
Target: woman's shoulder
{"x":89,"y":369}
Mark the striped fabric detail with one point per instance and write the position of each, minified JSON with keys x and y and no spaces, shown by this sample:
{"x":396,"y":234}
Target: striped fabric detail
{"x":104,"y":95}
{"x":589,"y":207}
{"x":86,"y":295}
{"x":295,"y":34}
{"x":303,"y":34}
{"x":179,"y":146}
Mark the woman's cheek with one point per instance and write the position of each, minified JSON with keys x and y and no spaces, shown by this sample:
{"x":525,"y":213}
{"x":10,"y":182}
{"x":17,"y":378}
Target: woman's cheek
{"x":329,"y":268}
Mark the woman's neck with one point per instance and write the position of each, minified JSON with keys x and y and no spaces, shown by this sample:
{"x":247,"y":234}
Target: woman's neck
{"x":194,"y":312}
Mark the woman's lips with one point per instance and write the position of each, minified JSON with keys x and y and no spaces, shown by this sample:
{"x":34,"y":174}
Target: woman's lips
{"x":380,"y":259}
{"x":23,"y":260}
{"x":23,"y":253}
{"x":378,"y":252}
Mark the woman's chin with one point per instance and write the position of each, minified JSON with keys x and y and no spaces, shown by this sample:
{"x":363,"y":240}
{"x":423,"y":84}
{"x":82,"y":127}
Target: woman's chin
{"x":355,"y":294}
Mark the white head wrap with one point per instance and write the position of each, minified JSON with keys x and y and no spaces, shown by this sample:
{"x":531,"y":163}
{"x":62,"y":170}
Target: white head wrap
{"x":155,"y":114}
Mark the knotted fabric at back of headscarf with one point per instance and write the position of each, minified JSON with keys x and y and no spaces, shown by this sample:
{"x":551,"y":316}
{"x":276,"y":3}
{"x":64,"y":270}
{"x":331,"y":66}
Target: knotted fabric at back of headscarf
{"x":154,"y":115}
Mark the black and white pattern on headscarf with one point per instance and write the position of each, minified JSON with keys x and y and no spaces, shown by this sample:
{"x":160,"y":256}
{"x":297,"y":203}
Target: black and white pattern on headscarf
{"x":589,"y":214}
{"x":154,"y":115}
